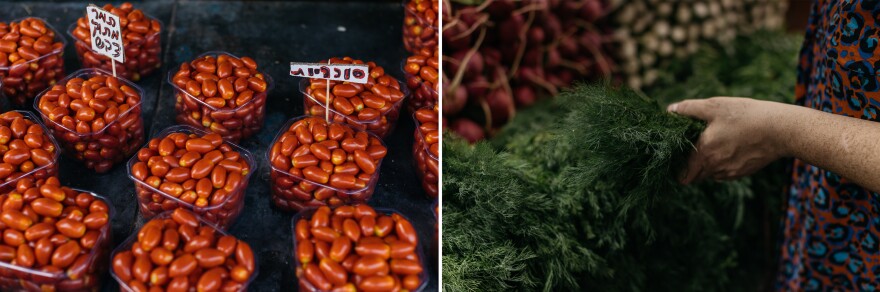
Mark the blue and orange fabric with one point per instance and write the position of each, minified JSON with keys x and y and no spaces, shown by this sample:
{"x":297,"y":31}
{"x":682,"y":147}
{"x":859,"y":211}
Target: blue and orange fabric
{"x":832,"y":226}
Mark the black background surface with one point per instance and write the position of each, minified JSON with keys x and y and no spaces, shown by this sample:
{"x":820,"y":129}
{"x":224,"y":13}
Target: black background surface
{"x":274,"y":33}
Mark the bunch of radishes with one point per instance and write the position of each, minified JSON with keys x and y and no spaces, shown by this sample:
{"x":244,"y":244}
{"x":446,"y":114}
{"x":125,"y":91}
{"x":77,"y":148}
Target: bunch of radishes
{"x":502,"y":54}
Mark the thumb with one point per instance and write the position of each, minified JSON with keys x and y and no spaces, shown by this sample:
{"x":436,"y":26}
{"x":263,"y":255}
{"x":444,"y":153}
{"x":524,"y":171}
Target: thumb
{"x":695,"y":108}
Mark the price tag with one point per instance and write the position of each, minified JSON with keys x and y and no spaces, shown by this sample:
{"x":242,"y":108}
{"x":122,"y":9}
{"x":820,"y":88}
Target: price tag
{"x":356,"y":73}
{"x":106,"y":33}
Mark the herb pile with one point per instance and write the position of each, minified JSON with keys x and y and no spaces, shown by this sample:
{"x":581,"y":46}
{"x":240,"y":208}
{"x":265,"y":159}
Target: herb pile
{"x":579,"y":192}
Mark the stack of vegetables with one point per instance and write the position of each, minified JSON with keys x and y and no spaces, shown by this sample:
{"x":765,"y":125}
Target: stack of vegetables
{"x":421,"y":23}
{"x":653,"y":34}
{"x":499,"y":55}
{"x":578,"y":192}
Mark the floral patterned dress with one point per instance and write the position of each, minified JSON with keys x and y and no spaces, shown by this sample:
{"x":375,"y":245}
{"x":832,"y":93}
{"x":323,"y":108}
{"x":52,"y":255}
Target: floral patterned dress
{"x":832,"y":226}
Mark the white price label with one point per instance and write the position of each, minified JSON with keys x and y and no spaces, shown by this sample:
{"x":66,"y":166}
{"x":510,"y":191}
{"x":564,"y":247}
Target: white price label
{"x":106,"y":33}
{"x":356,"y":73}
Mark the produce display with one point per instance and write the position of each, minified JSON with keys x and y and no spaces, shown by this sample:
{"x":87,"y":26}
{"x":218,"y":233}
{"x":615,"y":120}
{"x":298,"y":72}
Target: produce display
{"x":499,"y":55}
{"x":185,"y":168}
{"x":30,"y":58}
{"x":141,"y":38}
{"x":27,"y":150}
{"x":54,"y":238}
{"x":420,"y":24}
{"x":570,"y":216}
{"x":95,"y":116}
{"x":372,"y":107}
{"x":356,"y":248}
{"x":178,"y":251}
{"x":221,"y":93}
{"x":315,"y":163}
{"x":183,"y":214}
{"x":426,"y":148}
{"x":652,"y":35}
{"x":422,"y":78}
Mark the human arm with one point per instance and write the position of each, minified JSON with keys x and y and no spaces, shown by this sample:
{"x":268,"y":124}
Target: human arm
{"x":743,"y":135}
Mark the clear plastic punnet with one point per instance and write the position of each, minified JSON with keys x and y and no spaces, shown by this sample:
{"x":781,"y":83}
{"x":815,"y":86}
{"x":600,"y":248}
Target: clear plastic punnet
{"x":85,"y":274}
{"x":233,"y":123}
{"x":382,"y":125}
{"x":425,"y":156}
{"x":420,"y":21}
{"x":39,"y":172}
{"x":100,"y":147}
{"x":143,"y":52}
{"x":392,"y":242}
{"x":24,"y":79}
{"x":292,"y":191}
{"x":217,"y":232}
{"x":222,"y":213}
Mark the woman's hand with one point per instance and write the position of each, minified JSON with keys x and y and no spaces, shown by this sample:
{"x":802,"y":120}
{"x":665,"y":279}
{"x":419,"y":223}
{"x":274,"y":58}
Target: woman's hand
{"x":738,"y":139}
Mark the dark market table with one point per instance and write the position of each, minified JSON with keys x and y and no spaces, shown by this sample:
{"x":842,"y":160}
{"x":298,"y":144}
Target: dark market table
{"x":274,"y":33}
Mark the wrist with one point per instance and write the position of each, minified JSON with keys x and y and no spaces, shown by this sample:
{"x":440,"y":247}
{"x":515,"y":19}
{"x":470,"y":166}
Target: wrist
{"x":776,"y":119}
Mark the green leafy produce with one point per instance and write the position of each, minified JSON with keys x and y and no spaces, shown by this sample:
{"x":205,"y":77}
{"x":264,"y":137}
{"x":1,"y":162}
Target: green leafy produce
{"x":579,"y":193}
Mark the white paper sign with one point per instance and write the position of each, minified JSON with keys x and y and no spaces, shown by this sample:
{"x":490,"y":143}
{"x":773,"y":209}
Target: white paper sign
{"x":106,"y":33}
{"x":356,"y":73}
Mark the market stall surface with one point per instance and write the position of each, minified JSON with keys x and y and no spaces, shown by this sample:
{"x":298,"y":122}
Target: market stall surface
{"x":274,"y":34}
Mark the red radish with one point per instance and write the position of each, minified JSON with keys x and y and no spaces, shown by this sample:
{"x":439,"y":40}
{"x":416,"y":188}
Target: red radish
{"x":510,"y":29}
{"x":526,"y":50}
{"x":552,"y":28}
{"x":590,"y":40}
{"x":524,"y":95}
{"x":491,"y":56}
{"x":532,"y":57}
{"x":553,"y":58}
{"x":469,"y":130}
{"x":474,"y":65}
{"x":591,"y":10}
{"x":454,"y":101}
{"x":568,"y":47}
{"x":501,"y":8}
{"x":478,"y":86}
{"x":536,"y":35}
{"x":454,"y":37}
{"x":501,"y":106}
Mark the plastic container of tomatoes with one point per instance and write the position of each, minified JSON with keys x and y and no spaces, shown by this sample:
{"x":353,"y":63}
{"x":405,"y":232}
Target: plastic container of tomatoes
{"x":306,"y":285}
{"x":294,"y":192}
{"x":39,"y":172}
{"x":133,"y":238}
{"x":107,"y":146}
{"x":23,"y":81}
{"x":81,"y":276}
{"x":382,"y":125}
{"x":153,"y":201}
{"x":233,"y":123}
{"x":426,"y":155}
{"x":420,"y":24}
{"x":143,"y":50}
